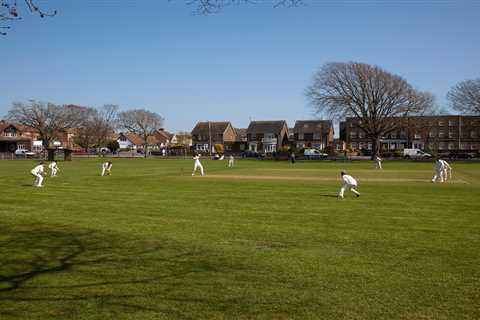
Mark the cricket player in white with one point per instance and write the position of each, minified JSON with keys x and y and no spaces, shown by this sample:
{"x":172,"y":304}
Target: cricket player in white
{"x":348,"y":183}
{"x":231,"y":161}
{"x":53,"y":168}
{"x":38,"y":172}
{"x":106,"y":168}
{"x":197,"y":165}
{"x":378,"y":162}
{"x":439,"y":171}
{"x":447,"y":170}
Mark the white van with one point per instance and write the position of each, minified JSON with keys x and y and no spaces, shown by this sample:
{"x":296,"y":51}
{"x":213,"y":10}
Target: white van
{"x":415,"y":154}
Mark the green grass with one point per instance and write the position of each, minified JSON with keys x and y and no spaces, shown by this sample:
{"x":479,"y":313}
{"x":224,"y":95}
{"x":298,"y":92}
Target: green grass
{"x":264,"y":240}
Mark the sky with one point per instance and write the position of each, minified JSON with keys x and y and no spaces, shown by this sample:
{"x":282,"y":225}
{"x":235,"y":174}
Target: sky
{"x":247,"y":62}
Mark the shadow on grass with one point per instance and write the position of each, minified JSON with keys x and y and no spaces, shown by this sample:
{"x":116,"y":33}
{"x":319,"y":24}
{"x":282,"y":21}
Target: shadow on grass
{"x":46,"y":273}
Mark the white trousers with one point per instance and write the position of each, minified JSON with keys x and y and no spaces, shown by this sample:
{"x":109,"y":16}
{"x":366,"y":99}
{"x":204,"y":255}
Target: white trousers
{"x":38,"y":180}
{"x":349,"y":187}
{"x":53,"y":173}
{"x":439,"y":175}
{"x":230,"y":163}
{"x":378,"y":164}
{"x":196,"y":166}
{"x":105,"y":171}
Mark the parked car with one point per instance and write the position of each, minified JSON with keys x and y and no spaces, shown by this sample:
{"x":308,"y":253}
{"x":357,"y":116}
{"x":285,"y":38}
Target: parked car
{"x":24,"y":153}
{"x":460,"y":155}
{"x":250,"y":154}
{"x":415,"y":154}
{"x":314,"y":154}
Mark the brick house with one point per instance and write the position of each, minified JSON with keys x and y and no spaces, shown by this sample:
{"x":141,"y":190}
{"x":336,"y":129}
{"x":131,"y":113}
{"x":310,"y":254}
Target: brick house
{"x":313,"y":134}
{"x":163,"y":138}
{"x":445,"y":133}
{"x":267,"y":136}
{"x":205,"y":135}
{"x":14,"y":137}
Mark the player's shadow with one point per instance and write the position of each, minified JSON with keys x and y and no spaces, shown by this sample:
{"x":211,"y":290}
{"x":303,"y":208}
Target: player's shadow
{"x":46,"y":273}
{"x":328,"y":195}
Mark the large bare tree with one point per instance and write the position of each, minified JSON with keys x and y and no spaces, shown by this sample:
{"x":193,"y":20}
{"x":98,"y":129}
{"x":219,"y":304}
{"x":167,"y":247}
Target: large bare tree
{"x":96,"y":126}
{"x":465,"y":96}
{"x":369,"y":93}
{"x":48,"y":119}
{"x":141,"y":122}
{"x":10,"y":10}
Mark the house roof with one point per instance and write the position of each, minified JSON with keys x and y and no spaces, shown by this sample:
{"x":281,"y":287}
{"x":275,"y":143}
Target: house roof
{"x":241,"y":134}
{"x":266,"y":126}
{"x":138,"y":140}
{"x":216,"y":127}
{"x":302,"y":126}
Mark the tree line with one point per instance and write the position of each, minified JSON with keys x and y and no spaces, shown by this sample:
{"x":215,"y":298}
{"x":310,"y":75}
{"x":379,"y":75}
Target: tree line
{"x":93,"y":126}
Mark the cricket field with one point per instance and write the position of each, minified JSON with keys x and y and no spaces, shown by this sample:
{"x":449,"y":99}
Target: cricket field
{"x":263,"y":240}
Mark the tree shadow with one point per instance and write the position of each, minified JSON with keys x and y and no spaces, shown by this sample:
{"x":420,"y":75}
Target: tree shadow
{"x":49,"y":273}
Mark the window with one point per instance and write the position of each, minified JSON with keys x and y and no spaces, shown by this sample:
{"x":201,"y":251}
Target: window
{"x":317,"y":136}
{"x":441,"y":123}
{"x":122,"y":138}
{"x":21,"y":146}
{"x":441,"y":146}
{"x":441,"y":134}
{"x":451,"y":134}
{"x":393,"y":135}
{"x":305,"y":126}
{"x":360,"y":145}
{"x":353,"y":134}
{"x":451,"y":123}
{"x":403,"y":134}
{"x":473,"y":134}
{"x":417,"y":135}
{"x":393,"y":146}
{"x":361,"y":135}
{"x":300,"y":136}
{"x":431,"y":134}
{"x":10,"y":132}
{"x":369,"y":146}
{"x":270,"y":148}
{"x":354,"y":146}
{"x":451,"y":146}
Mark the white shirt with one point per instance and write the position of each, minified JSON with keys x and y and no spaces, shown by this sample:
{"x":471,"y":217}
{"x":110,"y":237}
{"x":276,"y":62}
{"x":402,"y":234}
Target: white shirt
{"x":197,"y":159}
{"x":52,"y":166}
{"x":378,"y":159}
{"x":349,"y":180}
{"x":439,"y":165}
{"x":445,"y":164}
{"x":38,"y":169}
{"x":106,"y":165}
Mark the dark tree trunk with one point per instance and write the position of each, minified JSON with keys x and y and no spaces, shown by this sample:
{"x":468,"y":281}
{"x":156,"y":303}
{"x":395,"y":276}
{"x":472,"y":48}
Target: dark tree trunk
{"x":51,"y":154}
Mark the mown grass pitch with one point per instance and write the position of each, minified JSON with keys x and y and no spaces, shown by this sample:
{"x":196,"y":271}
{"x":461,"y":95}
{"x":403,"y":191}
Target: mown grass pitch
{"x":264,"y":240}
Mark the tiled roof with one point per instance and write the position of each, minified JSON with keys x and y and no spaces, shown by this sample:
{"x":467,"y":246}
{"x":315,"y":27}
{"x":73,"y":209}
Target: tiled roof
{"x":266,"y":126}
{"x":216,"y":128}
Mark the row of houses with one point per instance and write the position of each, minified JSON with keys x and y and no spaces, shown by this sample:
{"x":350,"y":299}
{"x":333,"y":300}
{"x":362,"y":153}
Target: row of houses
{"x":262,"y":136}
{"x":436,"y":133}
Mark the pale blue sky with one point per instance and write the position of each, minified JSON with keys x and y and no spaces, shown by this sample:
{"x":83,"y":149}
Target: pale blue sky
{"x":246,"y":62}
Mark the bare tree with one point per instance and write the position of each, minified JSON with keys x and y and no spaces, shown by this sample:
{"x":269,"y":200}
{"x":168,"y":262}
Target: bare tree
{"x":465,"y":96}
{"x":371,"y":94}
{"x":141,"y":122}
{"x":214,"y":6}
{"x":9,"y":11}
{"x":49,"y":120}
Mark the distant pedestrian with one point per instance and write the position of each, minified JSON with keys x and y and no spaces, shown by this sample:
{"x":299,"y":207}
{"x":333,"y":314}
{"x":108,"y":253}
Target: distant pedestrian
{"x":164,"y":152}
{"x":231,"y":161}
{"x":292,"y":157}
{"x":107,"y":168}
{"x":38,"y":172}
{"x":197,"y":165}
{"x":348,"y":183}
{"x":53,"y":168}
{"x":378,"y":162}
